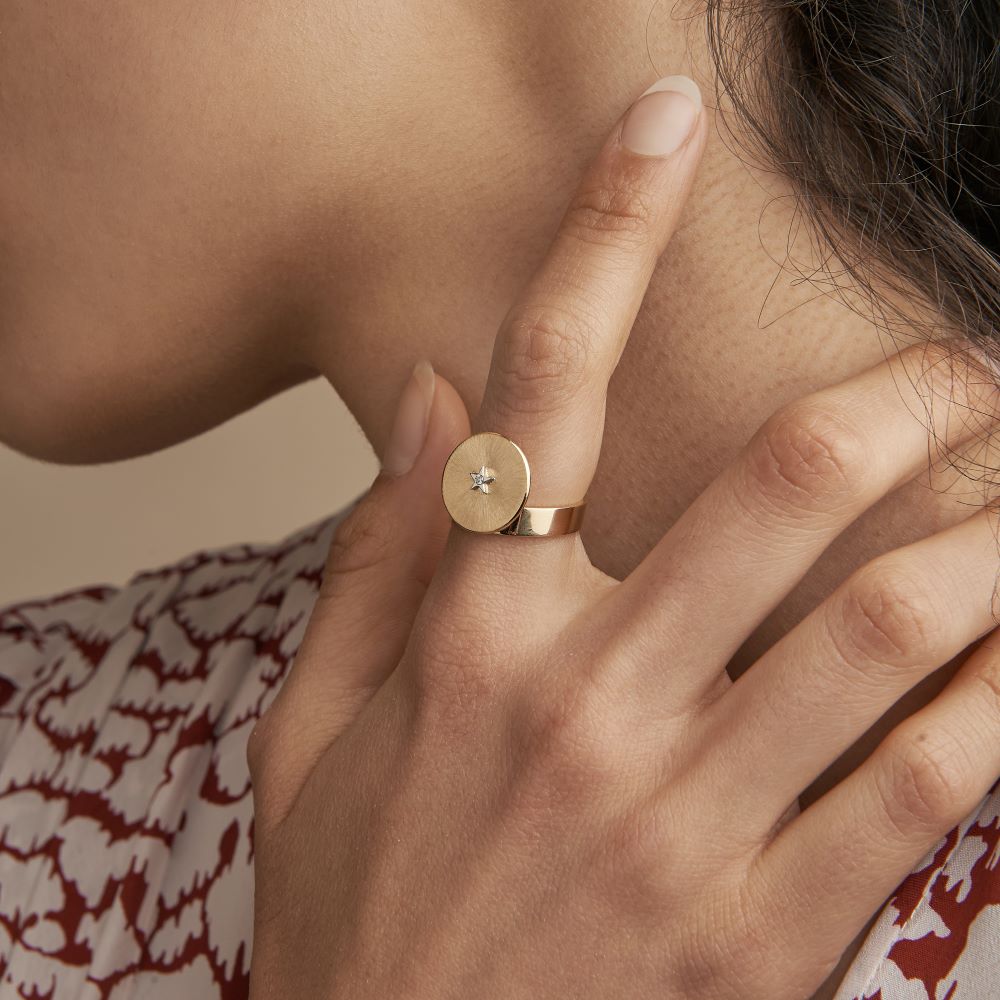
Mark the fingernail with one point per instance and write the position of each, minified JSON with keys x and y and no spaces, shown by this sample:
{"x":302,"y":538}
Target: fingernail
{"x":663,"y":118}
{"x":409,"y":430}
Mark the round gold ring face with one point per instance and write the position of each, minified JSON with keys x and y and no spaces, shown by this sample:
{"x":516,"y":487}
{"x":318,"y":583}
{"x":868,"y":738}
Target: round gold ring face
{"x":485,"y":482}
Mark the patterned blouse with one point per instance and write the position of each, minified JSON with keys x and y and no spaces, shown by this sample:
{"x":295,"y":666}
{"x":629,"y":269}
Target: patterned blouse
{"x":126,"y":840}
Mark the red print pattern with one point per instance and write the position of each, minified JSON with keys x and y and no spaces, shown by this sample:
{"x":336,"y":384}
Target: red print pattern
{"x":126,"y":842}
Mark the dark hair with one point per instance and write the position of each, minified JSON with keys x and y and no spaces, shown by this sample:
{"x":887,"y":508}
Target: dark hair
{"x":885,"y":114}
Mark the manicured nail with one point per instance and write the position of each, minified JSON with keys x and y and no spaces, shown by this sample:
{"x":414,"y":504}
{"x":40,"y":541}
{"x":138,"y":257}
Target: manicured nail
{"x":663,"y":118}
{"x":409,"y":430}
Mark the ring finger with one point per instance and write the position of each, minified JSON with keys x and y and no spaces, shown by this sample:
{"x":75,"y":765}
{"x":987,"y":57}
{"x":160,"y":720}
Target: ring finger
{"x":820,"y":688}
{"x":816,"y":466}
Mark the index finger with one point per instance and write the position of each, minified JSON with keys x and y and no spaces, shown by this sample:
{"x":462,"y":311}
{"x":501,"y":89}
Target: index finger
{"x":560,"y":343}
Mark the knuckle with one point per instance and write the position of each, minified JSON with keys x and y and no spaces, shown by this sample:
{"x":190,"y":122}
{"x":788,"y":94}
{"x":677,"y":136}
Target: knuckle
{"x":752,"y":910}
{"x":566,"y":735}
{"x":616,"y":211}
{"x":748,"y":953}
{"x":455,"y":672}
{"x":890,"y":616}
{"x":726,"y":944}
{"x":808,"y":459}
{"x":731,"y":937}
{"x":636,"y":858}
{"x":362,"y":540}
{"x":545,"y":356}
{"x":930,"y":784}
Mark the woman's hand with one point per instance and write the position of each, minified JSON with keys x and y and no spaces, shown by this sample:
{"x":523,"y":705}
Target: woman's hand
{"x":526,"y":779}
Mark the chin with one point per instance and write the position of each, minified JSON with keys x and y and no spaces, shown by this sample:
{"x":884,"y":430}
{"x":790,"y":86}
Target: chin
{"x":75,"y":407}
{"x":83,"y":413}
{"x":88,"y":434}
{"x":58,"y":426}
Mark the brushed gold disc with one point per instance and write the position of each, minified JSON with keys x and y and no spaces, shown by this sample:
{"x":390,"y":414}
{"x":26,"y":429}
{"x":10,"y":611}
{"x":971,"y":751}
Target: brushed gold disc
{"x":485,"y":482}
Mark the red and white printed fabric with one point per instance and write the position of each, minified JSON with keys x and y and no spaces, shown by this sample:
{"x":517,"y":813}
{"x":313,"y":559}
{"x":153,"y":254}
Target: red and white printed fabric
{"x":126,"y":842}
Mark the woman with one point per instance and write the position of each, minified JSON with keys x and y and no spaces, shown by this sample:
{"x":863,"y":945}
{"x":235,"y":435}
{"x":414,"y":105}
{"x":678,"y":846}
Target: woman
{"x":494,"y":769}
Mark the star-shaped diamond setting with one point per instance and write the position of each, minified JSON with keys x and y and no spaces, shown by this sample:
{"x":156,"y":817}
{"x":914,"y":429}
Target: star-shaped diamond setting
{"x":481,"y":480}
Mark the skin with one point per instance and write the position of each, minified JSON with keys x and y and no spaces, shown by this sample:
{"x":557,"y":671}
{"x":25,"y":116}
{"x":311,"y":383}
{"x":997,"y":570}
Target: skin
{"x":200,"y":209}
{"x":546,"y":783}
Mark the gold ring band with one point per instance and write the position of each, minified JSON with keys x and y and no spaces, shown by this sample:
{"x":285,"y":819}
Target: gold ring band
{"x":485,"y":487}
{"x":538,"y":522}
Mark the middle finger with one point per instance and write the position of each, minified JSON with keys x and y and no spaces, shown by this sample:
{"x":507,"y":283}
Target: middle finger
{"x":806,"y":475}
{"x":813,"y":694}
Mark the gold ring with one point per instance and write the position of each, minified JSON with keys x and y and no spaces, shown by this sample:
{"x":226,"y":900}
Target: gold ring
{"x":485,"y":488}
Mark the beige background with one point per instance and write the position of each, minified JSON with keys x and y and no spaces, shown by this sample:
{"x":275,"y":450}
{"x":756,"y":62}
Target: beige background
{"x":291,"y":461}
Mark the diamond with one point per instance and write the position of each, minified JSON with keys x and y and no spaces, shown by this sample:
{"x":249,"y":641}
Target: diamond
{"x":481,"y":480}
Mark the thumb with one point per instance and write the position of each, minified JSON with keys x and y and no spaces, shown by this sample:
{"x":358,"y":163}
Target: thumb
{"x":382,"y":558}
